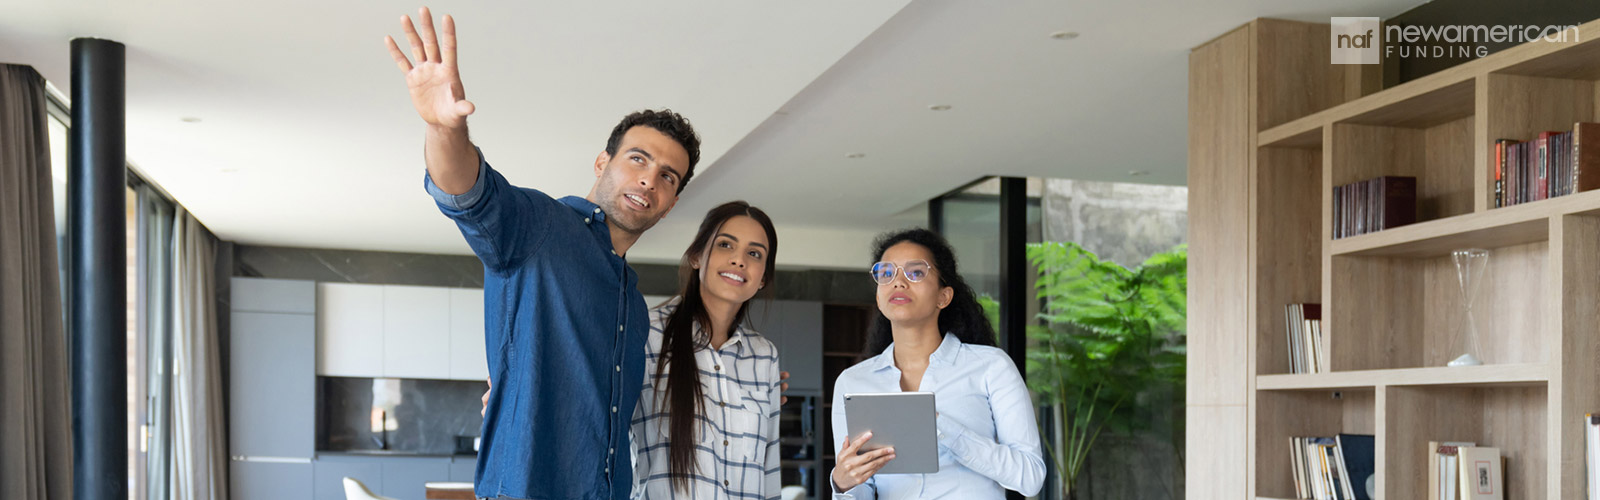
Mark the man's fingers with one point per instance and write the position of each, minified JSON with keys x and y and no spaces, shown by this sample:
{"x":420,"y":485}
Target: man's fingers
{"x":430,"y":38}
{"x":399,"y":57}
{"x":447,"y":42}
{"x":417,"y":53}
{"x":464,"y":107}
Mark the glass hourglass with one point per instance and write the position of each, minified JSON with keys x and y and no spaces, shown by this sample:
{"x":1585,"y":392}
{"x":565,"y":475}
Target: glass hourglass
{"x":1470,"y":264}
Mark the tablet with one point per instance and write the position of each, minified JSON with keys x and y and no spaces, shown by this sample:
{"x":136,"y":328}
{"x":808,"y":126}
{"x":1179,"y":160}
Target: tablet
{"x":904,"y":420}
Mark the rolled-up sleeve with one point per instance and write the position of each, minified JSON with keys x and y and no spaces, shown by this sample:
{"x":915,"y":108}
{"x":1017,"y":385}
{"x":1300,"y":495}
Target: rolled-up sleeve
{"x":461,"y":201}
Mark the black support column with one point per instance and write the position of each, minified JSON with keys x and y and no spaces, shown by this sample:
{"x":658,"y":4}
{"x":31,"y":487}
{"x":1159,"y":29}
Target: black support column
{"x":96,"y":186}
{"x":1014,"y":268}
{"x":1014,"y":295}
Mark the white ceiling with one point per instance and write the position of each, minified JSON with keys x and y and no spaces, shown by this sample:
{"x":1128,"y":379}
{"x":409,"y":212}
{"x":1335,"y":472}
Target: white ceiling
{"x":307,"y":137}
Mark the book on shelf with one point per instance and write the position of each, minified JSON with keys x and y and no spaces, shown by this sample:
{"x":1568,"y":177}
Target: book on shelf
{"x":1591,"y":434}
{"x":1357,"y":462}
{"x":1332,"y":468}
{"x":1303,"y":329}
{"x":1552,"y":164}
{"x":1374,"y":205}
{"x":1482,"y":473}
{"x":1498,"y":171}
{"x":1442,"y":469}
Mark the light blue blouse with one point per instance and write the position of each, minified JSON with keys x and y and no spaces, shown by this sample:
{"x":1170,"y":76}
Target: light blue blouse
{"x":988,"y":438}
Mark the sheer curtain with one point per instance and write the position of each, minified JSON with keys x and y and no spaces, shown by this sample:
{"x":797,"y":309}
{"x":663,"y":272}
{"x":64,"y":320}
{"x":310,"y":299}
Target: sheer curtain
{"x":199,"y":469}
{"x":35,"y":419}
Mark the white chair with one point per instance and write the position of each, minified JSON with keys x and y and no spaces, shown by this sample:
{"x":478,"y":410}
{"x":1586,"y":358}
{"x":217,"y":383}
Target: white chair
{"x":354,"y":490}
{"x":793,"y":493}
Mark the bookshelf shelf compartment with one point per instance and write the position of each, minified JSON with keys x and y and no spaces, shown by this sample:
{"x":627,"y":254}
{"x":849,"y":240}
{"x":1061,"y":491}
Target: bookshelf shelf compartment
{"x":1400,"y":312}
{"x":1523,"y":374}
{"x":1439,"y":157}
{"x":1512,"y":419}
{"x":1281,"y":416}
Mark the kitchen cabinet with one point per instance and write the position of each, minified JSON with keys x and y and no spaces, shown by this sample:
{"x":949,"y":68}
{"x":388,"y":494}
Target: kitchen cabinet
{"x":467,"y":358}
{"x":394,"y":331}
{"x":350,"y":330}
{"x":329,"y":472}
{"x":416,"y":332}
{"x":404,"y":477}
{"x":269,"y":480}
{"x":271,"y":388}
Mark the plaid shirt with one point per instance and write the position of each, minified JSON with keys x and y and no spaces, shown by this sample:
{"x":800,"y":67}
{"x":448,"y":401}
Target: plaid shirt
{"x":737,"y":455}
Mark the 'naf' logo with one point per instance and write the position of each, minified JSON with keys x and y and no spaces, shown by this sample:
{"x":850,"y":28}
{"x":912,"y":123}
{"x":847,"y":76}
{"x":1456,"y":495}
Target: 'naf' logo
{"x":1355,"y":41}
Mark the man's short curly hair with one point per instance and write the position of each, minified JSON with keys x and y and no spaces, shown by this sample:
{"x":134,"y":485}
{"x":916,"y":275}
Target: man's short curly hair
{"x":667,"y":122}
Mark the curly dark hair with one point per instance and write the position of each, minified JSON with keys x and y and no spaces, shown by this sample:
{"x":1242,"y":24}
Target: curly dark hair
{"x":963,"y":317}
{"x":667,"y":122}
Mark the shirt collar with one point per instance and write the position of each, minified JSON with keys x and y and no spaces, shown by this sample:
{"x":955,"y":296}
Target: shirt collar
{"x":585,"y":207}
{"x":945,"y":353}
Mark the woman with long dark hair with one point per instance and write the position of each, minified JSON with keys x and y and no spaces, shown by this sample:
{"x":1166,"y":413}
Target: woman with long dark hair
{"x":931,"y":335}
{"x":706,"y":425}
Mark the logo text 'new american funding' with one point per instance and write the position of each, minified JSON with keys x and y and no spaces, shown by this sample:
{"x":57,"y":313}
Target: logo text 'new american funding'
{"x":1357,"y":40}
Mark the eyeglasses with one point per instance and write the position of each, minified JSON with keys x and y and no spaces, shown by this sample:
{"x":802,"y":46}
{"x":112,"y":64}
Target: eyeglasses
{"x":914,"y":270}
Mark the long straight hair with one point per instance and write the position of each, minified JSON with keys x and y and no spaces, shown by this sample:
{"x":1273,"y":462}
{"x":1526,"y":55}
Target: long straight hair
{"x":963,"y":316}
{"x":681,"y":396}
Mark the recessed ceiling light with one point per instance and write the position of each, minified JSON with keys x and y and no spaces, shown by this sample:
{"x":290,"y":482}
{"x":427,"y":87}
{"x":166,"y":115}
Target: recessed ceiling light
{"x":1139,"y":173}
{"x":940,"y":107}
{"x":1064,"y":35}
{"x":855,"y":155}
{"x":190,"y":119}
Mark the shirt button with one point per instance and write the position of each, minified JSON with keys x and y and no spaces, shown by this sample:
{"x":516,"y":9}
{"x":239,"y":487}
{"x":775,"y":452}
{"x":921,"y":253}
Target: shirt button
{"x":719,"y":368}
{"x":585,"y":220}
{"x":724,"y":442}
{"x":619,"y":368}
{"x":596,"y":210}
{"x":724,"y":482}
{"x":619,"y":328}
{"x":612,"y":451}
{"x":722,"y":404}
{"x":608,"y":470}
{"x":613,"y":409}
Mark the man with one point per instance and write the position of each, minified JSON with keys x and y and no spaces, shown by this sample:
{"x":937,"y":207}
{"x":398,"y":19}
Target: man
{"x":565,"y":323}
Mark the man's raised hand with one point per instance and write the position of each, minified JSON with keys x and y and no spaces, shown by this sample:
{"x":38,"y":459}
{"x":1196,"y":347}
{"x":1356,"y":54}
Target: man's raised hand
{"x":433,"y":78}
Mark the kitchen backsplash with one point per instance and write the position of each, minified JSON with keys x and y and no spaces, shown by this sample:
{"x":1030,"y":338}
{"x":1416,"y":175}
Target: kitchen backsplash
{"x":397,"y":415}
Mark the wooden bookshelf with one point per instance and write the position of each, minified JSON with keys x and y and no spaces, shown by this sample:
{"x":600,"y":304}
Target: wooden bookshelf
{"x":1270,"y":137}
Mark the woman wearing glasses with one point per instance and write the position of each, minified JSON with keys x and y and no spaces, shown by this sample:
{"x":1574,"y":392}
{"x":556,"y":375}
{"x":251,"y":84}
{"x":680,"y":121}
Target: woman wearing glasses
{"x":931,"y":336}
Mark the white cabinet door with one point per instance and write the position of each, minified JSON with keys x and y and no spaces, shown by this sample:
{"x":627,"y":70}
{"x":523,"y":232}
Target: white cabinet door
{"x":349,"y":330}
{"x":467,"y":358}
{"x":416,"y":325}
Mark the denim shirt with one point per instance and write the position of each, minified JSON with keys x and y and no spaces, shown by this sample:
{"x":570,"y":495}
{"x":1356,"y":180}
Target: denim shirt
{"x":564,"y":331}
{"x":988,"y":438}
